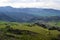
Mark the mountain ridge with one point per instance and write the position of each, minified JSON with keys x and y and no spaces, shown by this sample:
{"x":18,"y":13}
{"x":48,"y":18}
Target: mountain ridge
{"x":27,"y":14}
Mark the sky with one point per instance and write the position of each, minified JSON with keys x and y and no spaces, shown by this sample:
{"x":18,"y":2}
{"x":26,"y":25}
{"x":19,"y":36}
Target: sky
{"x":55,"y":4}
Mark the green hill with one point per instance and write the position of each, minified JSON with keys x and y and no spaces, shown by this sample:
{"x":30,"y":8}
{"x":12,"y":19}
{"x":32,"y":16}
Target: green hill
{"x":26,"y":31}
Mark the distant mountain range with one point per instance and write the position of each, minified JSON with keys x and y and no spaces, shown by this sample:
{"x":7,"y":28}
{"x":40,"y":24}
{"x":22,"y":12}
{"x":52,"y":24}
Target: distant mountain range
{"x":28,"y":14}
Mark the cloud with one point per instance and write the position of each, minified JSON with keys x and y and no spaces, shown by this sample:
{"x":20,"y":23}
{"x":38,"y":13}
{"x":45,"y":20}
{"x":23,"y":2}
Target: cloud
{"x":55,"y":4}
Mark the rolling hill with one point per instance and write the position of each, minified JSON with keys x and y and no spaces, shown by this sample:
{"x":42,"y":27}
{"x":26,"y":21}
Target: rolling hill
{"x":22,"y":31}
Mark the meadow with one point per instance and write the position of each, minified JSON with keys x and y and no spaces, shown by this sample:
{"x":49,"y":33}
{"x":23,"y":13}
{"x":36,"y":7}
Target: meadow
{"x":26,"y":31}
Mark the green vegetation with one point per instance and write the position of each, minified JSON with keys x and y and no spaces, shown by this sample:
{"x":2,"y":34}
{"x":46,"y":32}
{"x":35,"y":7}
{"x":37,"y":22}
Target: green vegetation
{"x":26,"y":31}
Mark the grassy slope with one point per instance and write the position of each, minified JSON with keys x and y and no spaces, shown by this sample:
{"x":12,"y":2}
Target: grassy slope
{"x":44,"y":34}
{"x":54,"y":23}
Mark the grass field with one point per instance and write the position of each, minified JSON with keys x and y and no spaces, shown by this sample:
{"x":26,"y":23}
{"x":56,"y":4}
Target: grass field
{"x":41,"y":33}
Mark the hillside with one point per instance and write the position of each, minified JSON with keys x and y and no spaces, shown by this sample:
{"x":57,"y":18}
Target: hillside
{"x":26,"y":31}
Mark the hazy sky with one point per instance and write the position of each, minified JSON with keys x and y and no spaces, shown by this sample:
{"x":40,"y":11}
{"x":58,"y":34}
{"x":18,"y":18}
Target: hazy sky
{"x":31,"y":3}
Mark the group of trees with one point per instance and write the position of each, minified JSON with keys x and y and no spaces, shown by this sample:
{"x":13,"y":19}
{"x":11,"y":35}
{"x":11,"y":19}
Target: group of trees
{"x":49,"y":27}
